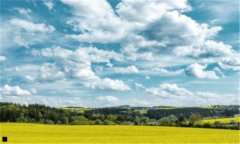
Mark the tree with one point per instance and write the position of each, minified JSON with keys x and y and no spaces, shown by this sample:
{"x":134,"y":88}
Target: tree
{"x":194,"y":119}
{"x":112,"y":118}
{"x":181,"y":120}
{"x":108,"y":122}
{"x":21,"y":118}
{"x":98,"y":122}
{"x":168,"y":121}
{"x":137,"y":120}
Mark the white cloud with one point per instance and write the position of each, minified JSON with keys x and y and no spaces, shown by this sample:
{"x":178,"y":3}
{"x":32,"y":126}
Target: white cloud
{"x":45,"y":100}
{"x":125,"y":70}
{"x":230,"y":63}
{"x":108,"y":84}
{"x":92,"y":18}
{"x":199,"y":71}
{"x":139,"y":85}
{"x":165,"y":72}
{"x":33,"y":90}
{"x":50,"y":72}
{"x":91,"y":54}
{"x":2,"y":58}
{"x":29,"y":78}
{"x":208,"y":49}
{"x":23,"y":11}
{"x":108,"y":99}
{"x":147,"y":77}
{"x":8,"y":90}
{"x":168,"y":32}
{"x":169,"y":90}
{"x":175,"y":29}
{"x":20,"y":41}
{"x":77,"y":64}
{"x":214,"y":8}
{"x":24,"y":33}
{"x":49,"y":4}
{"x":32,"y":27}
{"x":96,"y":20}
{"x":149,"y":31}
{"x":97,"y":55}
{"x":172,"y":91}
{"x":145,"y":11}
{"x":219,"y":71}
{"x":54,"y":51}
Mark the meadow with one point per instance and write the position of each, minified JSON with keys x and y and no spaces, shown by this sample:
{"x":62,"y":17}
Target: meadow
{"x":40,"y":133}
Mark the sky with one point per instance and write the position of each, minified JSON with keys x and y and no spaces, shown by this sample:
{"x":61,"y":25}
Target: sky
{"x":101,"y":53}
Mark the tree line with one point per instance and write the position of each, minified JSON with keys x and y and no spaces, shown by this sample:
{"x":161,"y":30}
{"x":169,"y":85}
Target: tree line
{"x":186,"y":117}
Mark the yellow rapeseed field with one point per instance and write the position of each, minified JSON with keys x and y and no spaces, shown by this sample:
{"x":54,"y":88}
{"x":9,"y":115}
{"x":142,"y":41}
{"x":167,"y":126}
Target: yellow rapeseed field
{"x":64,"y":134}
{"x":223,"y":120}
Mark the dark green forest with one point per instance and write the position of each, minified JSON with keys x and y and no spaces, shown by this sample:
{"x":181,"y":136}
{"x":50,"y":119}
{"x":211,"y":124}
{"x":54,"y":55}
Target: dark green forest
{"x":122,"y":115}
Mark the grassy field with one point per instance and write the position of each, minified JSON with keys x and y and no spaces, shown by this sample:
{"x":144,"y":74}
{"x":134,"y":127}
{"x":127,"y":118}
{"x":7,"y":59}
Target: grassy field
{"x":223,"y":120}
{"x":39,"y":133}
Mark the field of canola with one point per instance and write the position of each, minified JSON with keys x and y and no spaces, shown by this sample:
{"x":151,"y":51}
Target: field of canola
{"x":222,"y":120}
{"x":40,"y":133}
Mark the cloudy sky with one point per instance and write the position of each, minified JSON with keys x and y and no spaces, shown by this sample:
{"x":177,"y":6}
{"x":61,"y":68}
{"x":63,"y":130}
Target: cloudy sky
{"x":98,"y":53}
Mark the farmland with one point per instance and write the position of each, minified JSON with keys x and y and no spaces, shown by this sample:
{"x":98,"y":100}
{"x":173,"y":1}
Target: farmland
{"x":39,"y":133}
{"x":222,"y":120}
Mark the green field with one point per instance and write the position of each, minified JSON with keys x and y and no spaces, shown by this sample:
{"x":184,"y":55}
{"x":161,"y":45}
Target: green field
{"x":39,"y":133}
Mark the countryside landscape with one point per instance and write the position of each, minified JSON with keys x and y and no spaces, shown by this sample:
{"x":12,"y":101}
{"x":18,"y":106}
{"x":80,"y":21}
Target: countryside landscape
{"x":123,"y":124}
{"x":119,"y":72}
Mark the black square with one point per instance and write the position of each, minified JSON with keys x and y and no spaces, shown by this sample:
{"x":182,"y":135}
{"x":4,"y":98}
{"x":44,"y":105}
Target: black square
{"x":4,"y":139}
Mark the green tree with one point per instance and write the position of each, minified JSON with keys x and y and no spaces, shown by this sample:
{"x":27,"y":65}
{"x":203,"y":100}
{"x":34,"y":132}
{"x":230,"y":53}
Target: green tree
{"x":168,"y":121}
{"x":137,"y":120}
{"x":194,"y":119}
{"x":98,"y":122}
{"x":112,"y":118}
{"x":21,"y":118}
{"x":181,"y":120}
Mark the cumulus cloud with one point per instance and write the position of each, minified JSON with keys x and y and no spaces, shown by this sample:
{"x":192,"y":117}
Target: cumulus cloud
{"x":49,"y":4}
{"x":92,"y":19}
{"x":29,"y":78}
{"x":108,"y":84}
{"x":31,"y":27}
{"x":144,"y":11}
{"x":139,"y":85}
{"x":230,"y":63}
{"x":2,"y":58}
{"x":169,"y":90}
{"x":147,"y":30}
{"x":126,"y":70}
{"x":198,"y":70}
{"x":165,"y":72}
{"x":108,"y":99}
{"x":172,"y":90}
{"x":208,"y":49}
{"x":175,"y":29}
{"x":91,"y":54}
{"x":147,"y":77}
{"x":45,"y":100}
{"x":8,"y":90}
{"x":77,"y":64}
{"x":144,"y":38}
{"x":215,"y":11}
{"x":23,"y":11}
{"x":49,"y":72}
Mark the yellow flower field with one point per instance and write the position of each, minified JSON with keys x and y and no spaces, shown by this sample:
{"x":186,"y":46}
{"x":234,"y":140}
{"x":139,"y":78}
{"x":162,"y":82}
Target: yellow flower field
{"x":223,"y":120}
{"x":39,"y":133}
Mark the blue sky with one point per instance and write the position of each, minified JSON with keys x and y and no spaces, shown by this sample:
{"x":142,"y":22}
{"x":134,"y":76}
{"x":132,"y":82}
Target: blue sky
{"x":130,"y":52}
